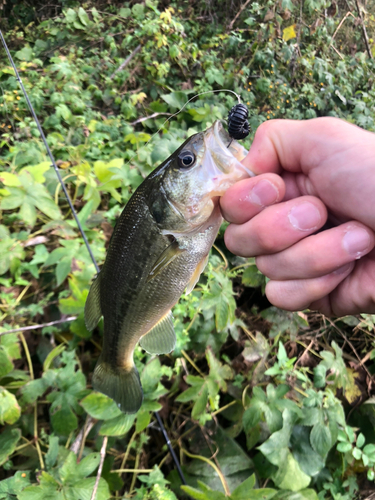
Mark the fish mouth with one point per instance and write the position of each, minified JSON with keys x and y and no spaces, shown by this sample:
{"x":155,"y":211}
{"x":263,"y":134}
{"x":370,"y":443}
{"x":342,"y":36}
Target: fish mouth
{"x":225,"y":151}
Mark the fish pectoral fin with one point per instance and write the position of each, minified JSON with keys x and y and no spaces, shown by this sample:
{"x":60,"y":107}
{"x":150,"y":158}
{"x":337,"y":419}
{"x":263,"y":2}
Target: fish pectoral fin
{"x":196,"y":275}
{"x":93,"y":311}
{"x":165,"y":259}
{"x":161,"y":339}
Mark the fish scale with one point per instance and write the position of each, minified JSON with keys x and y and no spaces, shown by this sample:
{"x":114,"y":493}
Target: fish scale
{"x":158,"y":249}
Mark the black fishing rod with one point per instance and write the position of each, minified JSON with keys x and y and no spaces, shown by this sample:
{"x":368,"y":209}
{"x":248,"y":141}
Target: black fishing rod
{"x":31,"y":108}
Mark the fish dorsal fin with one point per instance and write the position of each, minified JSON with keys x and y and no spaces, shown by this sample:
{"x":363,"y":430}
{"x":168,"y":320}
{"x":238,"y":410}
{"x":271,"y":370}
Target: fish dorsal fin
{"x":93,"y":311}
{"x":161,"y":339}
{"x":198,"y":271}
{"x":169,"y":254}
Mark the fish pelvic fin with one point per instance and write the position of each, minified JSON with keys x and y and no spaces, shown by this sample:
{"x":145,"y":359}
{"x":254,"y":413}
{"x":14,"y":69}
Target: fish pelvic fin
{"x":161,"y":339}
{"x":196,"y":275}
{"x":123,"y":385}
{"x":93,"y":311}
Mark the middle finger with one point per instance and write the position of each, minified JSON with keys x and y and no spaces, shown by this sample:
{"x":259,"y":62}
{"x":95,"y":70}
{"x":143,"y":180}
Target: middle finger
{"x":277,"y":227}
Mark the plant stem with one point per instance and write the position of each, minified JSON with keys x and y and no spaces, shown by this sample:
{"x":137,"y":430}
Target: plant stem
{"x":214,"y":466}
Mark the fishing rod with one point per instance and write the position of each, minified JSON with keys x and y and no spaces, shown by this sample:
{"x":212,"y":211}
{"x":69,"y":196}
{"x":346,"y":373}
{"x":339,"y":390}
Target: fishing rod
{"x":31,"y":109}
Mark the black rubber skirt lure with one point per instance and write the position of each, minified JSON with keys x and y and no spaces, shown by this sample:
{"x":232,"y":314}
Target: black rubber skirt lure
{"x":238,"y":126}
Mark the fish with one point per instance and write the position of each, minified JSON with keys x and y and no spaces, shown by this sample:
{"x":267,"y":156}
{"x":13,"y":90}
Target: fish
{"x":159,"y":248}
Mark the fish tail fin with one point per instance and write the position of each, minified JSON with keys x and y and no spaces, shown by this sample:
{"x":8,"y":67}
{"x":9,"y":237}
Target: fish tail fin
{"x":93,"y":310}
{"x":120,"y":384}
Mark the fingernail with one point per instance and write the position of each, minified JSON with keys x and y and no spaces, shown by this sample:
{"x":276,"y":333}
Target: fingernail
{"x":304,"y":217}
{"x":356,"y":242}
{"x":264,"y":193}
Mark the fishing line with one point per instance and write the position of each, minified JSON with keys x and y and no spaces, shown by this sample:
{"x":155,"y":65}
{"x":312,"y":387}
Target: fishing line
{"x":30,"y":106}
{"x":31,"y":109}
{"x":183,"y":107}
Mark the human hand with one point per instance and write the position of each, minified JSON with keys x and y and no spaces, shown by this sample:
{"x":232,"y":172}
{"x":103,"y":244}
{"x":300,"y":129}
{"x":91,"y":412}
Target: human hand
{"x":309,"y":172}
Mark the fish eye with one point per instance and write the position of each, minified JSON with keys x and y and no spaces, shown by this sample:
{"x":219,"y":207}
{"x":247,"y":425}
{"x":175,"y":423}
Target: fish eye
{"x":186,"y":159}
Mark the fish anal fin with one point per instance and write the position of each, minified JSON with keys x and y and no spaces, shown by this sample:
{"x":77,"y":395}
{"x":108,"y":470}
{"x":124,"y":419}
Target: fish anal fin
{"x":121,"y":384}
{"x":161,"y":339}
{"x":198,"y":271}
{"x":93,"y":311}
{"x":168,"y":256}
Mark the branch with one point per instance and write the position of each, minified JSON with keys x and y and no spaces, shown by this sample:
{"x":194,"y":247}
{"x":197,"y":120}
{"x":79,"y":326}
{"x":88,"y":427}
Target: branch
{"x":82,"y":435}
{"x":364,"y":30}
{"x":127,"y":61}
{"x":100,"y":468}
{"x":42,"y":325}
{"x":238,"y":14}
{"x":339,"y":26}
{"x":144,"y":118}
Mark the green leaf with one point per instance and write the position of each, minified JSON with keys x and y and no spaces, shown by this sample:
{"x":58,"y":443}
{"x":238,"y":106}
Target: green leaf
{"x":10,"y":410}
{"x":52,"y":453}
{"x":63,"y":269}
{"x":221,"y":313}
{"x":87,"y":466}
{"x":310,"y":462}
{"x":25,"y":54}
{"x":290,"y":476}
{"x":12,"y":486}
{"x":8,"y":442}
{"x":83,"y":17}
{"x":117,"y":426}
{"x":344,"y":447}
{"x":100,"y":406}
{"x":200,"y":402}
{"x":242,"y":492}
{"x":369,"y":449}
{"x":175,"y":99}
{"x":360,"y":440}
{"x":64,"y":421}
{"x":143,"y":419}
{"x":9,"y":179}
{"x":56,"y":351}
{"x":82,"y":490}
{"x":251,"y":416}
{"x":6,"y":365}
{"x":190,"y":394}
{"x":321,"y":439}
{"x":150,"y":376}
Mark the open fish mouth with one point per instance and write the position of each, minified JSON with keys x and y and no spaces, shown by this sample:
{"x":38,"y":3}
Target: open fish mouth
{"x":225,"y":152}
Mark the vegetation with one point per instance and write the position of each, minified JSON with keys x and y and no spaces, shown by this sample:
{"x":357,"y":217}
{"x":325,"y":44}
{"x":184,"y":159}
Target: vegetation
{"x":258,"y":402}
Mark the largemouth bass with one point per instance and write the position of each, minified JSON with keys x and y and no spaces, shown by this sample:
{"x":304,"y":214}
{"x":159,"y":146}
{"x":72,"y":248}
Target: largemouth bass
{"x":158,"y":249}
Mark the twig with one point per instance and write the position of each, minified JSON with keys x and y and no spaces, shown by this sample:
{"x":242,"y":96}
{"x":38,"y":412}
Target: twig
{"x":36,"y":327}
{"x":135,"y":473}
{"x":337,"y":52}
{"x":144,"y":118}
{"x":100,"y":468}
{"x":214,"y":466}
{"x":186,"y":355}
{"x":138,"y":471}
{"x":31,"y":370}
{"x":339,"y":26}
{"x":82,"y":435}
{"x":364,"y":30}
{"x":238,"y":14}
{"x":27,"y":354}
{"x":126,"y":453}
{"x":127,"y":61}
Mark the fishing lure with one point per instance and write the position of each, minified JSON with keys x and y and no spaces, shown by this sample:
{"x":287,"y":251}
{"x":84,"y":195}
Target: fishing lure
{"x":238,"y":126}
